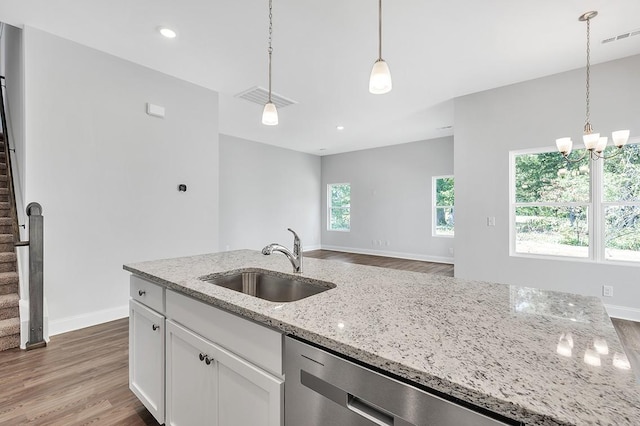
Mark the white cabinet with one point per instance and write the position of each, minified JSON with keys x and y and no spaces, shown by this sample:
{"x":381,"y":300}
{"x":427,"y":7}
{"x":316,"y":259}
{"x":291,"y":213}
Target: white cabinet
{"x":146,"y":357}
{"x":208,"y":385}
{"x":221,"y":369}
{"x":192,"y":386}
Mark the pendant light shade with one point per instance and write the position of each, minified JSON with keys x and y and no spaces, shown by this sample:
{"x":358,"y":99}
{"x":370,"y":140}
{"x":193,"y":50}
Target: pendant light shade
{"x":380,"y":79}
{"x":270,"y":114}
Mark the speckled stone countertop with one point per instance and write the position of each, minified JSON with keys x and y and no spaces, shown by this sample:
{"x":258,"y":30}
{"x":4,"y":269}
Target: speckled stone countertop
{"x":516,"y":351}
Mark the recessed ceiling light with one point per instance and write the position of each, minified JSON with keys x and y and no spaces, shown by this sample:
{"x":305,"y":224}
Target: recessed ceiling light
{"x":339,"y":127}
{"x":167,"y":32}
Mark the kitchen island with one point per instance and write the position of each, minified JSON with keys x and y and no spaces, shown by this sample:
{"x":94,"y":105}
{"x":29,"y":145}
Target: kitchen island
{"x":515,"y":351}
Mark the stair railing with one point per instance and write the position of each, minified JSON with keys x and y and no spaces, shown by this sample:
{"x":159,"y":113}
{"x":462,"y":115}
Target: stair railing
{"x":36,"y":275}
{"x":35,"y":242}
{"x":7,"y":153}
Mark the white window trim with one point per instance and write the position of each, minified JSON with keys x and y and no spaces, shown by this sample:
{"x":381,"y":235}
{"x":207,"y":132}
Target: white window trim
{"x":329,"y":185}
{"x":433,"y":208}
{"x":596,"y":231}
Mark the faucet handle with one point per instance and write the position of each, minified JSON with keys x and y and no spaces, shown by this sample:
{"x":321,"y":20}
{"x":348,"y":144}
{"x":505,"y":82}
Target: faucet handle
{"x":294,"y":233}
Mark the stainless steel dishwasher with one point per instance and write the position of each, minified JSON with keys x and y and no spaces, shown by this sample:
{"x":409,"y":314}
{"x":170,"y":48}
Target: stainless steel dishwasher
{"x":322,"y":389}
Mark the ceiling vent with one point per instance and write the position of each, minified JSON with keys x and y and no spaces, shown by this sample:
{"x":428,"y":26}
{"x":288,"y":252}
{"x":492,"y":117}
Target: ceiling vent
{"x":260,"y":96}
{"x":622,"y":36}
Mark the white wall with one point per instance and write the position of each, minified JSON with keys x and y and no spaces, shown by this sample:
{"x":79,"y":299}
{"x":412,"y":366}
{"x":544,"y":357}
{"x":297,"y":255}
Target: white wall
{"x":529,"y":115}
{"x":263,"y":191}
{"x":391,"y":199}
{"x":106,"y":173}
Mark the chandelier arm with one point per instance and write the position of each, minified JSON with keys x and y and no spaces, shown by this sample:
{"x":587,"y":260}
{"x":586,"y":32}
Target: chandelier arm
{"x":606,"y":157}
{"x":576,"y":160}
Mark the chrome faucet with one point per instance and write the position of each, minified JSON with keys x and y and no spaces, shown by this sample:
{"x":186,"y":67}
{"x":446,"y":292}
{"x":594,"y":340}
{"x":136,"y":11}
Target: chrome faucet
{"x":295,"y":258}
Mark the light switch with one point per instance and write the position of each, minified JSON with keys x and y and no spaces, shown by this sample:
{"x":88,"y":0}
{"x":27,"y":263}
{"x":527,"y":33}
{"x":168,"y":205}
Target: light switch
{"x":491,"y":221}
{"x":155,"y":110}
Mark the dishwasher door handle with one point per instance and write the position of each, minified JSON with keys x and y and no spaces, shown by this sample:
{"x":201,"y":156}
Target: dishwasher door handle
{"x":369,"y":411}
{"x":355,"y":404}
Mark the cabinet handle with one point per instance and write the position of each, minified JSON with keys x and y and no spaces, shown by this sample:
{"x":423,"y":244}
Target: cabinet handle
{"x":155,"y":327}
{"x":141,"y":292}
{"x":207,"y":360}
{"x":201,"y":357}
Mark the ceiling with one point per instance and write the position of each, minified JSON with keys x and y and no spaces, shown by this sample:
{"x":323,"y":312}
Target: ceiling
{"x":324,"y":50}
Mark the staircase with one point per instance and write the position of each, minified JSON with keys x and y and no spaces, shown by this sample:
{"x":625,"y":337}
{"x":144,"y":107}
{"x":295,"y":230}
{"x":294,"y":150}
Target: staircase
{"x":9,"y":298}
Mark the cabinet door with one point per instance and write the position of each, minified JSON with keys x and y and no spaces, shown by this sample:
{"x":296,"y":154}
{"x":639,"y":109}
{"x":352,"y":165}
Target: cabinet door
{"x":247,"y":394}
{"x":146,"y":357}
{"x":192,"y":394}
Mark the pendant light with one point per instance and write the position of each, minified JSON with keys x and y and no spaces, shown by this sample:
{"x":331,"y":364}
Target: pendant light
{"x":380,"y":80}
{"x":270,"y":113}
{"x":594,"y":144}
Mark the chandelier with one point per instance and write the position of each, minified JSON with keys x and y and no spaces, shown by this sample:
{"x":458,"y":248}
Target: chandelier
{"x":593,"y":142}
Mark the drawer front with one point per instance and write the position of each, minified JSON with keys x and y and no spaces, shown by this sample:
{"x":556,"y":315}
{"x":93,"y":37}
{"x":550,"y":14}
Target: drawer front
{"x":147,"y":293}
{"x":257,"y":344}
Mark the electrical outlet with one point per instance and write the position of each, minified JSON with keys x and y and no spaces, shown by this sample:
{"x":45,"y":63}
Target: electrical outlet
{"x":607,"y":290}
{"x":491,"y":221}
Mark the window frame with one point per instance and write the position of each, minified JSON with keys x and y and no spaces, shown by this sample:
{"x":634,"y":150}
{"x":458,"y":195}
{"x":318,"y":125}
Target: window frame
{"x":435,"y":206}
{"x":595,"y":213}
{"x":330,"y":207}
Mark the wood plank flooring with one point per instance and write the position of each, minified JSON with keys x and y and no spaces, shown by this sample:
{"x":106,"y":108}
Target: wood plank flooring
{"x":81,"y":377}
{"x":384,"y":262}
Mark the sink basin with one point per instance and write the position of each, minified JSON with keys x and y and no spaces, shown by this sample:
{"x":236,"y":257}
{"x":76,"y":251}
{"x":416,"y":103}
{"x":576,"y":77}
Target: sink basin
{"x":270,"y":286}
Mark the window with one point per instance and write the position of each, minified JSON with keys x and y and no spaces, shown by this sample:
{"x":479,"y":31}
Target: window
{"x":588,"y":210}
{"x":443,"y":199}
{"x":339,"y":206}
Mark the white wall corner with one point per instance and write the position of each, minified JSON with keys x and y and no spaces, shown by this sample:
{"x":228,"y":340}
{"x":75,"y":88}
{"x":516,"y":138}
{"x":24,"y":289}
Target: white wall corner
{"x":77,"y":322}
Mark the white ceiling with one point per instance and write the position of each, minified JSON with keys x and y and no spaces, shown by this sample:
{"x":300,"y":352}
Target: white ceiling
{"x":324,"y":50}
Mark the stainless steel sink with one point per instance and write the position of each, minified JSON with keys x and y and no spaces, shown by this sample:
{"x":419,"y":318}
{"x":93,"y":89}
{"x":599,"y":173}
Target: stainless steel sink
{"x":270,"y":286}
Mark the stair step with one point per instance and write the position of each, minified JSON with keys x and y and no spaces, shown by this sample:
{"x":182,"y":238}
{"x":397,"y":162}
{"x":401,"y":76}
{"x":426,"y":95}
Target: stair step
{"x":9,"y":342}
{"x":6,"y":238}
{"x":9,"y":288}
{"x":8,"y":262}
{"x":9,"y":326}
{"x":6,"y":221}
{"x":9,"y":301}
{"x":9,"y":283}
{"x":7,"y":278}
{"x":6,"y":313}
{"x":7,"y":257}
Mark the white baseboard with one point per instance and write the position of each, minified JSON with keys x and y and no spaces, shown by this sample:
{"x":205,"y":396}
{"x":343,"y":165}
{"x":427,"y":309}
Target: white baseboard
{"x":77,"y":322}
{"x":623,"y":312}
{"x":313,"y":247}
{"x":398,"y":255}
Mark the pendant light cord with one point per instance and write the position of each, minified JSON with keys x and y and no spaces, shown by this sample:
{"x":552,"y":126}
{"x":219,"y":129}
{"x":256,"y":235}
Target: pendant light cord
{"x":270,"y":50}
{"x":587,"y":124}
{"x":379,"y":30}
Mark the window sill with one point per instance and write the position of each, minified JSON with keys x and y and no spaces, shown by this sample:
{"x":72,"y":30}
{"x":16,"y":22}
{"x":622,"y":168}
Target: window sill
{"x":576,"y":259}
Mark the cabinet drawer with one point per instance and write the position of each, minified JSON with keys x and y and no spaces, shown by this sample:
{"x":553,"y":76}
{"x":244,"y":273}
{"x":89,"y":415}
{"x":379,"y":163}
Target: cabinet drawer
{"x":258,"y":344}
{"x":147,"y":293}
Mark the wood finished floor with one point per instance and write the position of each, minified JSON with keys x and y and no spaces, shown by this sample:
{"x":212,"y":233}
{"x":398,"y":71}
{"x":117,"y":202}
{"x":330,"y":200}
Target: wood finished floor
{"x":81,"y":377}
{"x":384,"y":262}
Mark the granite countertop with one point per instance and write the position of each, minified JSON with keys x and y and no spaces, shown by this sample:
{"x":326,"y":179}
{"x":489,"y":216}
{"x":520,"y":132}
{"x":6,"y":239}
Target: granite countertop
{"x":516,"y":351}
